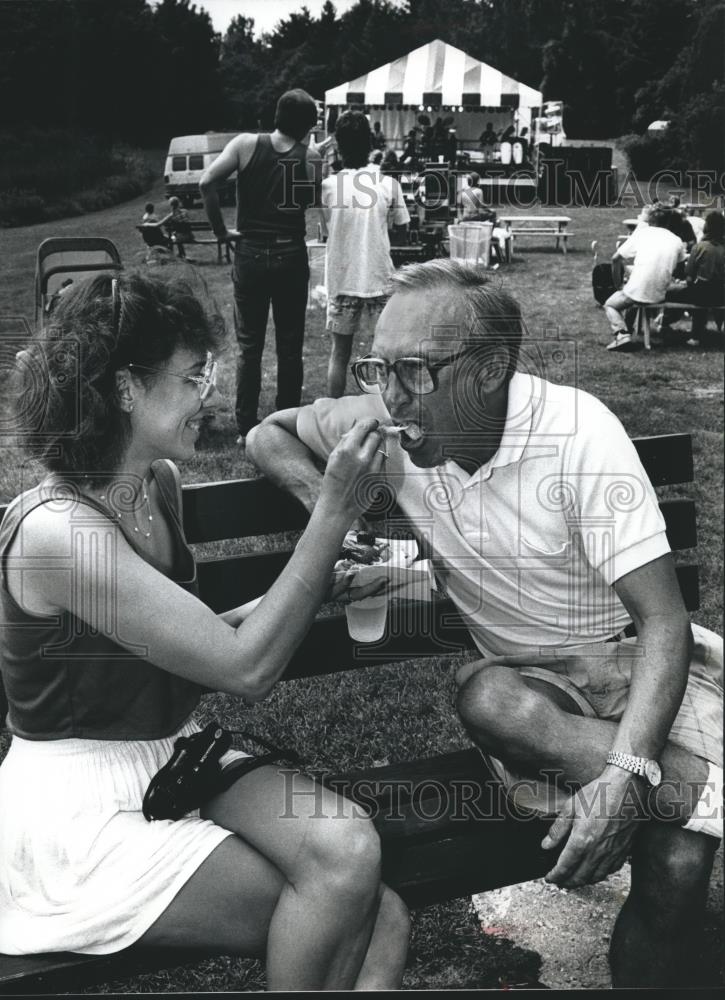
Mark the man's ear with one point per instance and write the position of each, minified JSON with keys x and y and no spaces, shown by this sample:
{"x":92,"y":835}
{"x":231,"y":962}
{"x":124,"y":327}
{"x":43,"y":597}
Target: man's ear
{"x":494,"y":371}
{"x":125,"y":390}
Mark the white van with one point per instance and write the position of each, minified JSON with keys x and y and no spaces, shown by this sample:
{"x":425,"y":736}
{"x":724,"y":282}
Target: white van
{"x":187,"y":158}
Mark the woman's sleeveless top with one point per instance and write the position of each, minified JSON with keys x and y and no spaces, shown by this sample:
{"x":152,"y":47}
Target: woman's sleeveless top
{"x":62,"y":678}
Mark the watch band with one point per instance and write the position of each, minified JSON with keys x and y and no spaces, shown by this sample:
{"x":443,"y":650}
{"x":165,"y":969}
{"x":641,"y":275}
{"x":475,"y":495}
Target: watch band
{"x":630,"y":763}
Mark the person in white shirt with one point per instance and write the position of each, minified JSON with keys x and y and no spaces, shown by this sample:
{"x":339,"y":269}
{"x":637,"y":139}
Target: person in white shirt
{"x":655,"y":251}
{"x":358,"y":206}
{"x":547,"y":535}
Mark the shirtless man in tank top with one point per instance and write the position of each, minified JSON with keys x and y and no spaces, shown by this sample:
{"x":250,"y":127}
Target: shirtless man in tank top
{"x":278,"y":178}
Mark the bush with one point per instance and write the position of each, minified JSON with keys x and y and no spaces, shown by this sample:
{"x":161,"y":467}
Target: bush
{"x":37,"y":185}
{"x":19,"y":207}
{"x":693,"y":140}
{"x":647,"y":154}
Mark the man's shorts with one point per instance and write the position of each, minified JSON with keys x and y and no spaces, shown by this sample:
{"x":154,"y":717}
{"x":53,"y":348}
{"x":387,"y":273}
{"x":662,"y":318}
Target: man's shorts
{"x":354,"y":316}
{"x":597,"y":679}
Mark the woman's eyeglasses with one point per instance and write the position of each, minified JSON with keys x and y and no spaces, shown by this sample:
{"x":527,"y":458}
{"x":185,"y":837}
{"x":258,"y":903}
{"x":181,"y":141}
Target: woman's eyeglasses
{"x":205,"y":382}
{"x":416,"y":375}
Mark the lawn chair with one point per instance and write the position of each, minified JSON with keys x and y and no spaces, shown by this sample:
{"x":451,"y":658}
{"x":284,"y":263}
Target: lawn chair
{"x":62,"y":261}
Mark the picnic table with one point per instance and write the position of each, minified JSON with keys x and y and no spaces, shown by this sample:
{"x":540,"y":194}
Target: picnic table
{"x":538,"y":225}
{"x":695,"y":208}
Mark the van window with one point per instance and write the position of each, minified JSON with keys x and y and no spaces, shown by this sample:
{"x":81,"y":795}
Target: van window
{"x":196,"y":162}
{"x":178,"y":163}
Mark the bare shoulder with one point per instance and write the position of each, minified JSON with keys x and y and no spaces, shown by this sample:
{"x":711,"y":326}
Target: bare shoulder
{"x":44,"y":550}
{"x":48,"y":528}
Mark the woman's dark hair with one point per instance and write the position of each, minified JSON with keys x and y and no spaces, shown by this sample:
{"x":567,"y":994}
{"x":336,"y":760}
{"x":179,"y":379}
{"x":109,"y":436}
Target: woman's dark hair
{"x":149,"y":207}
{"x":714,"y":231}
{"x":352,"y":135}
{"x":67,"y":412}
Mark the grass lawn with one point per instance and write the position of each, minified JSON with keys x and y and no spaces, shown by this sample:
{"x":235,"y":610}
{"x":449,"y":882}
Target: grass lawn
{"x":391,"y":713}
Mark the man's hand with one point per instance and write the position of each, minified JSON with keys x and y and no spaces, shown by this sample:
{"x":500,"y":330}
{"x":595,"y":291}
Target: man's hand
{"x":344,"y":590}
{"x":597,"y":827}
{"x":228,"y":235}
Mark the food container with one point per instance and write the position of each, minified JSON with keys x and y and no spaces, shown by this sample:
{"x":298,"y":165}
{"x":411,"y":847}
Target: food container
{"x":409,"y":578}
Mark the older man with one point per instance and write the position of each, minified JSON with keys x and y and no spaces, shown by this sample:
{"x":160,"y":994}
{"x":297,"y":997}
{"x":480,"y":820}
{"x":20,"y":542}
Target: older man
{"x":549,"y":539}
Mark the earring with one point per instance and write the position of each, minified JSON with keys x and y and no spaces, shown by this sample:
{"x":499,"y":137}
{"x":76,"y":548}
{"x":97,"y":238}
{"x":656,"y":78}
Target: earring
{"x":130,"y":408}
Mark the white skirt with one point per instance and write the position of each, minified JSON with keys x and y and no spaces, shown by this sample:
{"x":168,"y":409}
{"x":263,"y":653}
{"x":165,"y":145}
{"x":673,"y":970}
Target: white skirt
{"x":81,"y":869}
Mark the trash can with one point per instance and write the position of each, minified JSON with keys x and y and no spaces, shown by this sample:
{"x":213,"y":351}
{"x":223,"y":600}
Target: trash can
{"x":470,"y":242}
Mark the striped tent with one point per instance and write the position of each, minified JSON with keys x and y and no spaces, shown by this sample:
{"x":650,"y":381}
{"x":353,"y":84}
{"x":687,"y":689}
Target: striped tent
{"x":436,"y":75}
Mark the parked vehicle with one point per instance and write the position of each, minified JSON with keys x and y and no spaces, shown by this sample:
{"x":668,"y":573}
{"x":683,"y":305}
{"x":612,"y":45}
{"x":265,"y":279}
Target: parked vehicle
{"x":187,"y":158}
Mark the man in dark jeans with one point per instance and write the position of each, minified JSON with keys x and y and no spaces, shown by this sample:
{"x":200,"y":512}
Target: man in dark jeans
{"x":278,"y":178}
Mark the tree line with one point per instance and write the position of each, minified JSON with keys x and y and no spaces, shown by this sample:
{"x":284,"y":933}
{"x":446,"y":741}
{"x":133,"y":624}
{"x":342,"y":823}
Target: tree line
{"x":131,"y":70}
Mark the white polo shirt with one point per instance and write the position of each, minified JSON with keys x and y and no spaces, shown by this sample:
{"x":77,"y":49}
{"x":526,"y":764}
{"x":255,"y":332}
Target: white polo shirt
{"x":527,"y":547}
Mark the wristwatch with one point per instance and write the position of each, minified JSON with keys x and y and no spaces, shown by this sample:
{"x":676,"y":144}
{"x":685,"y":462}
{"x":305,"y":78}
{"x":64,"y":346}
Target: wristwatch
{"x":649,"y":769}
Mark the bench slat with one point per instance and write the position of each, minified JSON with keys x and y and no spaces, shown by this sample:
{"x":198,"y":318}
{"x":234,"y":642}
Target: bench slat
{"x":414,"y":630}
{"x":244,"y":507}
{"x":52,"y":972}
{"x":226,"y":581}
{"x":667,"y":458}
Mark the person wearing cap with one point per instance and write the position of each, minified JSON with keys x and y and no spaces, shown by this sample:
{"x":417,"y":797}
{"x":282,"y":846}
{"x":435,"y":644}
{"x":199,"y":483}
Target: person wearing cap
{"x":278,"y":178}
{"x":546,"y":534}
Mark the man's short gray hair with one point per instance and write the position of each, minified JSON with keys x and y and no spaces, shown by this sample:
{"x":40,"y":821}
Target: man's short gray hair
{"x":493,"y":314}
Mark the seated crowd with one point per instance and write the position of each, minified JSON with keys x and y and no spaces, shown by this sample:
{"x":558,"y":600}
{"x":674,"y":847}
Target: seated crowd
{"x":665,"y":260}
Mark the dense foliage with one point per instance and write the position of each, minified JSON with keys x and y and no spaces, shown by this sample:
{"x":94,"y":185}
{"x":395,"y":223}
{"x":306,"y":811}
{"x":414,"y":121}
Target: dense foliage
{"x":143,"y":71}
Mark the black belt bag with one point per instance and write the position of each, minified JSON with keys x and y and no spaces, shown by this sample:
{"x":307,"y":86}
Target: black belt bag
{"x":194,"y":773}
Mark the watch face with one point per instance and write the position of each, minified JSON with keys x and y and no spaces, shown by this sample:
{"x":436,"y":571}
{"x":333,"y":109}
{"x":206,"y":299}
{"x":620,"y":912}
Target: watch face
{"x":652,"y":772}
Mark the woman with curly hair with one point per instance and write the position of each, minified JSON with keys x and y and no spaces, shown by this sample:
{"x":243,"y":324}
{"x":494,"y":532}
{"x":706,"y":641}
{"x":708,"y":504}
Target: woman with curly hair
{"x":105,"y":649}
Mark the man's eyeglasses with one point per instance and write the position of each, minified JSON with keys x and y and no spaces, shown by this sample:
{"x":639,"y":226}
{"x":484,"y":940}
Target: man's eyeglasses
{"x":416,"y":375}
{"x":205,"y":382}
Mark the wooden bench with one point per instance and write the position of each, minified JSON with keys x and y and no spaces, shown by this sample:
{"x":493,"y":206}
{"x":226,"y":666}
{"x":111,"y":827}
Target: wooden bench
{"x":433,"y":815}
{"x":202,"y":227}
{"x":155,"y":235}
{"x":538,"y":225}
{"x":646,"y":312}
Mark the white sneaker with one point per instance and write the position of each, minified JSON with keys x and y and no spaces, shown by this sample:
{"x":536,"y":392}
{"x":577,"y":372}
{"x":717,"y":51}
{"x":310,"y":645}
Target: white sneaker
{"x":620,"y":342}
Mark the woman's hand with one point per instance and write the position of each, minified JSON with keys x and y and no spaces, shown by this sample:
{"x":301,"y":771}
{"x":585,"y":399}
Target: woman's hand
{"x":355,"y":464}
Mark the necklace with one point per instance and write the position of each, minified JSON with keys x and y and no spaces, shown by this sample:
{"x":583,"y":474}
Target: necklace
{"x":150,"y":516}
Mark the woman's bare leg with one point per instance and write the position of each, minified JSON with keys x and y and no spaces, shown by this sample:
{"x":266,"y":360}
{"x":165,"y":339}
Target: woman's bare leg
{"x":328,"y":909}
{"x":310,"y":897}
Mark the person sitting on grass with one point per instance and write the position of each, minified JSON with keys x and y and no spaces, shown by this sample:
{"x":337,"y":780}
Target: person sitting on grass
{"x":149,"y":216}
{"x":106,"y":649}
{"x":358,"y":204}
{"x":654,"y":251}
{"x":178,"y":225}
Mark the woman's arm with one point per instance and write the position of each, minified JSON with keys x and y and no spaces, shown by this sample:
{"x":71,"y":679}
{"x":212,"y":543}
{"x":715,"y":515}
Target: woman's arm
{"x":85,"y":566}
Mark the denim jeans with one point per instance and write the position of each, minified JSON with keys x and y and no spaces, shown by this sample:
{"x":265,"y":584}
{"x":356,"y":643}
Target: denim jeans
{"x":263,"y":274}
{"x":615,"y":308}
